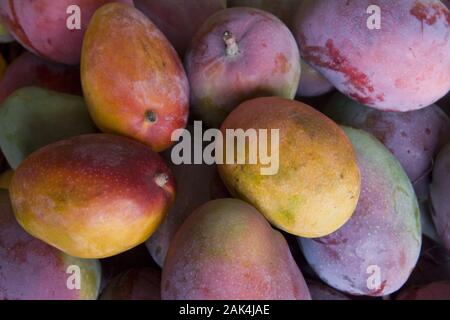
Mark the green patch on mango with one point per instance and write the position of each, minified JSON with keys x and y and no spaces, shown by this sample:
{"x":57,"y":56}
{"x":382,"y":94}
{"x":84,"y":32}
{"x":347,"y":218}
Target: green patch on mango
{"x":32,"y":118}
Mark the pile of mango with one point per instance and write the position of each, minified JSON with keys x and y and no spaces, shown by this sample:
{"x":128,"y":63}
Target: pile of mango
{"x":93,"y":205}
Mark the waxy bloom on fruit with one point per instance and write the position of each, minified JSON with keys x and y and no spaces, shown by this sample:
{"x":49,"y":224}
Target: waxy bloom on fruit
{"x":92,"y":196}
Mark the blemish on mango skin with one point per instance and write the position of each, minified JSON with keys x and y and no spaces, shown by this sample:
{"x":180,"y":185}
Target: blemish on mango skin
{"x":282,"y":64}
{"x":430,"y":14}
{"x":332,"y":240}
{"x":330,"y":57}
{"x":378,"y":291}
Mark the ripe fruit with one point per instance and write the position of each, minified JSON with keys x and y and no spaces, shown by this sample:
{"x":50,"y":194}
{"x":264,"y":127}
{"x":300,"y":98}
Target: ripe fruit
{"x":32,"y":118}
{"x":92,"y":196}
{"x":283,"y":9}
{"x":375,"y":251}
{"x":226,"y":250}
{"x":312,"y":83}
{"x":33,"y":270}
{"x":30,"y":70}
{"x":175,"y":18}
{"x":413,"y":137}
{"x":239,"y":54}
{"x":402,"y":66}
{"x":132,"y":78}
{"x":196,"y":185}
{"x":316,"y":188}
{"x":41,"y":26}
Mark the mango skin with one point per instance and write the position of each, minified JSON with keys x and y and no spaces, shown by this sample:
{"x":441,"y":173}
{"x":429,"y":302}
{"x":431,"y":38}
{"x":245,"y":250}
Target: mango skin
{"x":33,"y":270}
{"x":92,"y":196}
{"x":414,"y":137}
{"x":30,"y":70}
{"x":383,"y":232}
{"x":40,"y":26}
{"x":175,"y":17}
{"x":405,"y":70}
{"x":134,"y":284}
{"x":439,"y":193}
{"x":312,"y":83}
{"x":283,"y":9}
{"x":208,"y":186}
{"x":267,"y":62}
{"x":132,"y":78}
{"x":33,"y":117}
{"x":317,"y":186}
{"x":225,"y":250}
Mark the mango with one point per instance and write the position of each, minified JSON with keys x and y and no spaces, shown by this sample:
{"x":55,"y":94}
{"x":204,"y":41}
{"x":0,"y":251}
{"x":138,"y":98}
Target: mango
{"x":358,"y":49}
{"x":226,"y":250}
{"x":33,"y":270}
{"x":312,"y":83}
{"x":51,"y":29}
{"x":175,"y":18}
{"x":33,"y":117}
{"x":30,"y":70}
{"x":283,"y":9}
{"x":134,"y":284}
{"x":239,"y":54}
{"x":92,"y":196}
{"x":132,"y":78}
{"x":413,"y":137}
{"x":208,"y":186}
{"x":316,"y":187}
{"x":374,"y":253}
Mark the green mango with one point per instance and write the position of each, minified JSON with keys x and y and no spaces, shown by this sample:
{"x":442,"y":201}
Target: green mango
{"x":33,"y":117}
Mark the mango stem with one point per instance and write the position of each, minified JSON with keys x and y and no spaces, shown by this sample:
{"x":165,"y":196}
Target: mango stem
{"x":232,"y":48}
